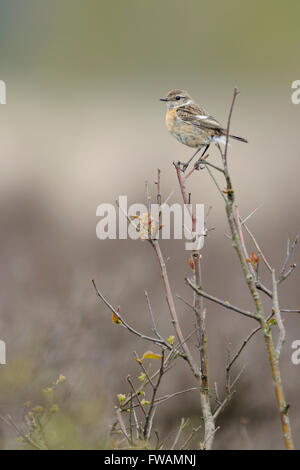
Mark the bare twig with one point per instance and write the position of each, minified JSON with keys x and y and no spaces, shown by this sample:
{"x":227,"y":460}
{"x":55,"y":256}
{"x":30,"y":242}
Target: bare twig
{"x":126,"y":325}
{"x":136,"y":395}
{"x":203,"y":444}
{"x":204,"y":162}
{"x":140,"y":363}
{"x":190,"y":437}
{"x":216,"y":183}
{"x":200,"y":314}
{"x":224,"y":303}
{"x":259,"y":251}
{"x":160,"y":400}
{"x":260,"y":314}
{"x":289,"y":310}
{"x":171,"y":356}
{"x":279,"y":321}
{"x":26,"y":438}
{"x":229,"y":394}
{"x":290,"y":251}
{"x":181,"y":427}
{"x":155,"y":331}
{"x":172,"y":310}
{"x":239,"y":227}
{"x":151,"y":410}
{"x":243,"y":345}
{"x":235,"y":93}
{"x":288,"y":273}
{"x":243,"y":221}
{"x":122,"y":425}
{"x":264,"y":289}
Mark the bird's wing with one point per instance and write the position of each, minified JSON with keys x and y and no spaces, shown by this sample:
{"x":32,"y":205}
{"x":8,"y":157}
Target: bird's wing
{"x":193,"y":114}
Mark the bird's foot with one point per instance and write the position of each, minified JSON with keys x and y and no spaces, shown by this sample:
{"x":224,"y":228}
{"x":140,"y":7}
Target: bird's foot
{"x":198,"y":165}
{"x":183,"y":166}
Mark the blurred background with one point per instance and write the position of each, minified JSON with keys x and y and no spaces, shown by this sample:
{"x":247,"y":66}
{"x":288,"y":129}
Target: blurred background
{"x":82,"y":125}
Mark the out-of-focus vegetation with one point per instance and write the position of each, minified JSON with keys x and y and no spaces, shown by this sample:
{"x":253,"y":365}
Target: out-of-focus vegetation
{"x":136,"y":42}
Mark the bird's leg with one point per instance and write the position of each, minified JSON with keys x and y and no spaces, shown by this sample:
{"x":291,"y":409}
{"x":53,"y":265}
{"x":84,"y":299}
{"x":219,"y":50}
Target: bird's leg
{"x":197,"y":164}
{"x":185,"y":165}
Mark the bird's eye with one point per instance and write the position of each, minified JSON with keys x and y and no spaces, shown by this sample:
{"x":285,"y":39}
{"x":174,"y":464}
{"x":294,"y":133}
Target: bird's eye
{"x":177,"y":97}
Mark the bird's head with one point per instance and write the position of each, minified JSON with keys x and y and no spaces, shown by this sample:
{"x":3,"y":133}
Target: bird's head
{"x":176,"y":98}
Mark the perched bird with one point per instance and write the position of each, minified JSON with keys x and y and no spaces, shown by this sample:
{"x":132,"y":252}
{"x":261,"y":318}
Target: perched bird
{"x":192,"y":125}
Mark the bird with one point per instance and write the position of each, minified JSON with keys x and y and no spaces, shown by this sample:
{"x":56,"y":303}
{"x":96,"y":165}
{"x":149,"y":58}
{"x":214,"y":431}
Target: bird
{"x":191,"y":125}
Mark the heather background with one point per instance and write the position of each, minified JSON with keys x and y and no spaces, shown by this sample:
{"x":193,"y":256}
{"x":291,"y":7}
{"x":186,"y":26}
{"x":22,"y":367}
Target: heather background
{"x":83,"y":125}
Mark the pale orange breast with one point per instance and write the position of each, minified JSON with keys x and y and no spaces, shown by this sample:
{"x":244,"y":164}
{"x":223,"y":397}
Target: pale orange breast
{"x":171,"y":119}
{"x":187,"y":133}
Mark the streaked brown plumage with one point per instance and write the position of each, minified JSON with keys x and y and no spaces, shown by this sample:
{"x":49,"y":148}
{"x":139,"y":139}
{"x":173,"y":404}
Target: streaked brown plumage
{"x":190,"y":124}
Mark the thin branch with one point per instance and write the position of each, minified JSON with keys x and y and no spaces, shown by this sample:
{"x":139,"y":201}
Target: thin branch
{"x":279,"y":321}
{"x":243,"y":345}
{"x":260,"y":313}
{"x":243,"y":221}
{"x":235,"y":93}
{"x":185,"y":195}
{"x":264,"y":289}
{"x":172,"y":310}
{"x":288,"y":273}
{"x":289,"y":254}
{"x":259,"y":251}
{"x":155,"y":331}
{"x":125,"y":324}
{"x":140,"y":363}
{"x":190,"y":437}
{"x":220,"y":302}
{"x":204,"y":162}
{"x":217,"y":394}
{"x":160,"y":400}
{"x":151,"y":410}
{"x":200,"y":314}
{"x":151,"y":423}
{"x":229,"y":395}
{"x":168,"y":360}
{"x":129,"y":220}
{"x":136,"y":395}
{"x":239,"y":227}
{"x":216,"y":183}
{"x":10,"y":422}
{"x":203,"y":444}
{"x":238,"y":376}
{"x":289,"y":310}
{"x":122,"y":425}
{"x":222,"y":405}
{"x":181,"y":427}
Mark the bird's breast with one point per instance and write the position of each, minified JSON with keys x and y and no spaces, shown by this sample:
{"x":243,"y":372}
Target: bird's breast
{"x":185,"y":133}
{"x":171,"y":119}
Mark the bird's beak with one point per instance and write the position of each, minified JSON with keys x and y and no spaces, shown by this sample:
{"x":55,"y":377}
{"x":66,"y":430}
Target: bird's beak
{"x":163,"y":99}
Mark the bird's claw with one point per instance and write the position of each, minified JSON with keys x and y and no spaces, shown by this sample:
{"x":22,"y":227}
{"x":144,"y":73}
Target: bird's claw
{"x":198,"y":165}
{"x":183,"y":166}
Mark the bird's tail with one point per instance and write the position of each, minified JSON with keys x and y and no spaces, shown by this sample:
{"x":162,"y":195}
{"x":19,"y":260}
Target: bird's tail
{"x":241,"y":139}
